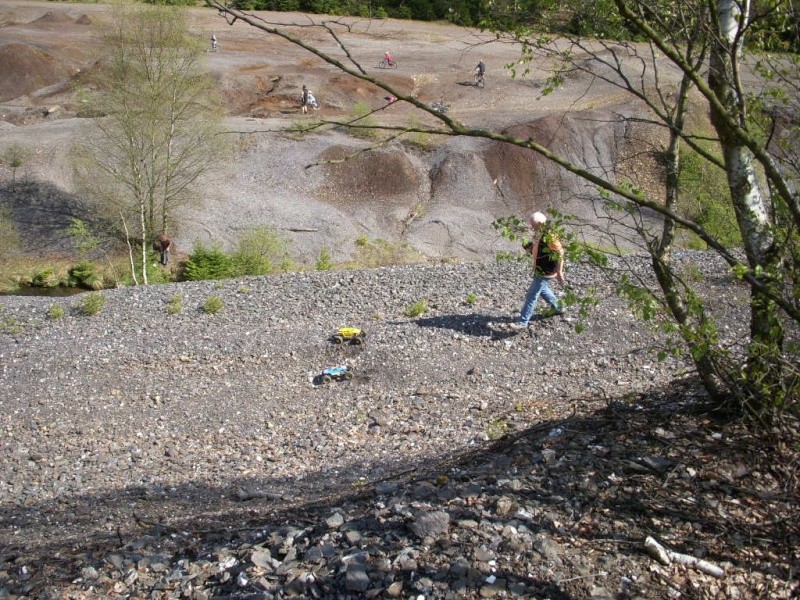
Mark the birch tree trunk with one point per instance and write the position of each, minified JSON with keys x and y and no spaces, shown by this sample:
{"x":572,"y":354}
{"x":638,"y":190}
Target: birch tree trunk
{"x":661,"y":250}
{"x":749,"y":199}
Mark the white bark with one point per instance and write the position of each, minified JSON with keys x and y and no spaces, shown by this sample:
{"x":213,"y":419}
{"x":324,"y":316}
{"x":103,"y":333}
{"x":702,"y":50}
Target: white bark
{"x":729,"y":12}
{"x":667,"y":557}
{"x":746,"y":193}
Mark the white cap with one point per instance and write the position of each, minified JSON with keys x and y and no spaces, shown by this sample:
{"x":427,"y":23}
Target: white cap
{"x":538,"y":217}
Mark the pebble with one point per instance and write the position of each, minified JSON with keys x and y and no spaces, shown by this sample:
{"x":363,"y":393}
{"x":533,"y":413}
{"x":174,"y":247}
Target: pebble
{"x":192,"y":454}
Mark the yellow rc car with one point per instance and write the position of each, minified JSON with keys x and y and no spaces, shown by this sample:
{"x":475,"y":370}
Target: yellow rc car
{"x":351,"y":335}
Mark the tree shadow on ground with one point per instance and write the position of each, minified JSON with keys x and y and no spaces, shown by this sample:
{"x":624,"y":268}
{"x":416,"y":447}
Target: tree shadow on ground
{"x":477,"y":325}
{"x":42,"y":213}
{"x":580,"y":493}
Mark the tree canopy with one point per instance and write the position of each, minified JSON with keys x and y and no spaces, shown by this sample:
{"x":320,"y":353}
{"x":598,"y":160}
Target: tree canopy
{"x":156,"y":136}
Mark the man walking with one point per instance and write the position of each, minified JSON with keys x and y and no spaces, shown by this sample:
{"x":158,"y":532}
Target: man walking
{"x":547,"y":255}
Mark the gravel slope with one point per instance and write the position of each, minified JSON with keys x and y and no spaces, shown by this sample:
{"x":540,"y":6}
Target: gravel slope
{"x":206,"y":422}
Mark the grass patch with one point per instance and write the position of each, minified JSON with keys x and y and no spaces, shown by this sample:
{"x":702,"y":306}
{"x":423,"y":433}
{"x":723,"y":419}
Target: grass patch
{"x":363,"y":120}
{"x":213,"y":305}
{"x":420,"y":307}
{"x":10,"y":325}
{"x":496,"y":428}
{"x":52,"y":271}
{"x":420,"y":139}
{"x":91,"y":304}
{"x":21,"y":271}
{"x":380,"y":253}
{"x":705,"y":197}
{"x":471,"y":299}
{"x":692,"y":273}
{"x":175,"y":304}
{"x":56,"y":312}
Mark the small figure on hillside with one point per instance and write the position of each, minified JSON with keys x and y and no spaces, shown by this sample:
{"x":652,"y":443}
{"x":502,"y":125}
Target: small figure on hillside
{"x":480,"y":70}
{"x":390,"y":99}
{"x":164,"y":244}
{"x":214,"y":46}
{"x":388,"y":58}
{"x":307,"y":99}
{"x":547,"y":255}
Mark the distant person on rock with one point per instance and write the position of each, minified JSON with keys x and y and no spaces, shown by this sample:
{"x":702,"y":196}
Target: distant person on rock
{"x":547,"y":255}
{"x":164,"y":244}
{"x":214,"y":46}
{"x":480,"y":70}
{"x":307,"y":99}
{"x":388,"y":58}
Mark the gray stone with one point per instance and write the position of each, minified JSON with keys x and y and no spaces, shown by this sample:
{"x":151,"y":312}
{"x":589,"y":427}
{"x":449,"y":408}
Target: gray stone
{"x":356,"y":578}
{"x":431,"y":524}
{"x":335,"y":521}
{"x":545,"y":546}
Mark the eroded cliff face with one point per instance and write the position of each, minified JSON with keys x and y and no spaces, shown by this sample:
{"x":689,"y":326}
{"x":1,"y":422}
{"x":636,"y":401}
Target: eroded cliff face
{"x":437,"y":194}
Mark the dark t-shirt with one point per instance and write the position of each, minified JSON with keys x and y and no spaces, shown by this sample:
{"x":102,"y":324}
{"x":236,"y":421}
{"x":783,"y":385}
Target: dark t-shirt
{"x":546,"y":257}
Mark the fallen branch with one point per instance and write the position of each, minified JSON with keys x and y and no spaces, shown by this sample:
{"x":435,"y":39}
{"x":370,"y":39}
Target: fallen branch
{"x":666,"y":557}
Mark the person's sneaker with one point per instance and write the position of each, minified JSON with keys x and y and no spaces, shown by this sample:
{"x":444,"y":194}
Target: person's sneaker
{"x":518,"y":326}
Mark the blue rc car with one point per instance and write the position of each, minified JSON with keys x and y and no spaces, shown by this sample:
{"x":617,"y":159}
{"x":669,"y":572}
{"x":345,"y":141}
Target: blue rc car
{"x":340,"y":373}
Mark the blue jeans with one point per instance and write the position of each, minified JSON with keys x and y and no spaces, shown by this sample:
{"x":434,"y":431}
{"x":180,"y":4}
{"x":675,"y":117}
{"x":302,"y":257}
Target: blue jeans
{"x":539,"y":287}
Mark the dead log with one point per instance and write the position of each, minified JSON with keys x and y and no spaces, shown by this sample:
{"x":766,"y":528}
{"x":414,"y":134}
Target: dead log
{"x":666,"y":557}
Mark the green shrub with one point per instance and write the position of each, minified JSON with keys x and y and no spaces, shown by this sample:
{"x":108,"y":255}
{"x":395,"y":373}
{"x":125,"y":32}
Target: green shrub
{"x":496,"y":428}
{"x":379,"y":253}
{"x":175,"y":304}
{"x":324,"y":262}
{"x":84,"y":275}
{"x":418,"y":308}
{"x":56,"y":311}
{"x":208,"y":263}
{"x":92,"y":303}
{"x":471,"y":299}
{"x":213,"y":305}
{"x":261,"y":251}
{"x":46,"y":279}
